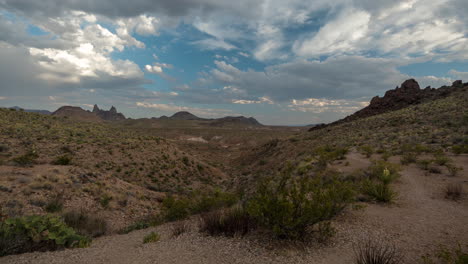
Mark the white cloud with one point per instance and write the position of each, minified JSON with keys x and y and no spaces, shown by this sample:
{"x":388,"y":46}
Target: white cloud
{"x":154,"y":69}
{"x":339,"y":35}
{"x":214,"y":44}
{"x":259,"y":101}
{"x":321,"y":105}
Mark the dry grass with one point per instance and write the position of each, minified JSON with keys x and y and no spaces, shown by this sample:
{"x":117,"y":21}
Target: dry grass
{"x":454,"y":191}
{"x":376,"y":252}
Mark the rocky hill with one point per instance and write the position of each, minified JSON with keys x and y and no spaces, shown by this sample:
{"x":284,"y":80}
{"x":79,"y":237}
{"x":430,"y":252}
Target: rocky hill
{"x":111,"y":115}
{"x":184,"y":115}
{"x":409,"y":93}
{"x":235,"y":120}
{"x":77,"y":113}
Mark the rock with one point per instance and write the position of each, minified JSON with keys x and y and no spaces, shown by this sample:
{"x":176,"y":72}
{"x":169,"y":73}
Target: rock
{"x":409,"y":93}
{"x":457,"y":83}
{"x":111,"y":115}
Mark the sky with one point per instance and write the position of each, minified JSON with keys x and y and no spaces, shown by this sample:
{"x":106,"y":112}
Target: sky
{"x":283,"y":62}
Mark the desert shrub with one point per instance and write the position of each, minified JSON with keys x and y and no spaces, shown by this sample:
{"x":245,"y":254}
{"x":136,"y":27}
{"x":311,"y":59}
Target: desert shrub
{"x":457,"y":255}
{"x":26,"y":159}
{"x":441,"y":160}
{"x":424,"y":164}
{"x":378,"y":191}
{"x":179,"y":228}
{"x":325,"y":231}
{"x":408,"y":158}
{"x":105,"y":200}
{"x":3,"y":148}
{"x":460,"y":149}
{"x":62,"y":160}
{"x":376,"y":252}
{"x":136,"y":226}
{"x":85,"y":224}
{"x":195,"y":203}
{"x":453,"y":191}
{"x":175,"y":209}
{"x":289,"y":206}
{"x":204,"y":202}
{"x":383,"y":170}
{"x":453,"y":170}
{"x":367,"y":150}
{"x":228,"y":222}
{"x":151,"y":238}
{"x":54,"y":204}
{"x":434,"y":169}
{"x":37,"y":233}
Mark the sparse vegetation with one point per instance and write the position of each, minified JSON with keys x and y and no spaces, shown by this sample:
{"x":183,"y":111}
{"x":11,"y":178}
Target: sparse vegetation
{"x":227,"y":222}
{"x":290,"y":205}
{"x":27,"y":159}
{"x":62,"y":160}
{"x":151,"y":238}
{"x":37,"y":233}
{"x":457,"y":255}
{"x":86,"y":224}
{"x":376,"y":252}
{"x":454,"y":191}
{"x":179,"y":228}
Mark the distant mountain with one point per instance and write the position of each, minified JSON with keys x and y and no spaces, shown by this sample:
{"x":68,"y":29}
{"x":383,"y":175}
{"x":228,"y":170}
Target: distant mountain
{"x":235,"y":120}
{"x":184,"y":115}
{"x":111,"y":115}
{"x":77,"y":113}
{"x":43,"y":112}
{"x":409,"y":93}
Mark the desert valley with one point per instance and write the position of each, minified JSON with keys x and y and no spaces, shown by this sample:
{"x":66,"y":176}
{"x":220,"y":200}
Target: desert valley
{"x":392,"y":177}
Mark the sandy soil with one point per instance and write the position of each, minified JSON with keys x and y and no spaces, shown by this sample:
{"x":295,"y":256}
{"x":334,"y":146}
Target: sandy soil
{"x":419,"y":221}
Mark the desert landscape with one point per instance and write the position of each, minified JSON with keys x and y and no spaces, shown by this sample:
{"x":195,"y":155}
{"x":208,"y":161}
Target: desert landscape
{"x":220,"y":131}
{"x":234,"y":191}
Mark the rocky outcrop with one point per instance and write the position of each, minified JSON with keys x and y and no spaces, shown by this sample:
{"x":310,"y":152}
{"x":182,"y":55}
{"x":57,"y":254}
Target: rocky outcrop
{"x":111,"y":115}
{"x":409,"y":93}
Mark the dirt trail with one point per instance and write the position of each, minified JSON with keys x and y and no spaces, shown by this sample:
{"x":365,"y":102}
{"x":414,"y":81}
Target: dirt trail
{"x":418,"y":222}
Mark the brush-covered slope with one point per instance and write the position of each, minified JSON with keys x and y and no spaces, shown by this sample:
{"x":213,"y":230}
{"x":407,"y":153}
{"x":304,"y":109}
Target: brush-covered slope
{"x":94,"y":166}
{"x":440,"y":123}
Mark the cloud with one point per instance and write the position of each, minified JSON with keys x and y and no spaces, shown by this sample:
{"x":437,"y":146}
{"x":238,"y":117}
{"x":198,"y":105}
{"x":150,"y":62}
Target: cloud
{"x":214,"y":44}
{"x":459,"y":74}
{"x":338,"y":35}
{"x":321,"y":105}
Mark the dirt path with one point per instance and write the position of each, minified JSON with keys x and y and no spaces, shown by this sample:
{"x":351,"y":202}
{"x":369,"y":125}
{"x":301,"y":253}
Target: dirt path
{"x":418,"y":222}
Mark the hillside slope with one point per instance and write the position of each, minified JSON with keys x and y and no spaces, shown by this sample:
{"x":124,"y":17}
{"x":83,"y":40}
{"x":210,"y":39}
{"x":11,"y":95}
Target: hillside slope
{"x":45,"y":156}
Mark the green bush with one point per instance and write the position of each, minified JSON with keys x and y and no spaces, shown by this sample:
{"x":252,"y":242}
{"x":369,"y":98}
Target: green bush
{"x":442,"y":160}
{"x":37,"y":233}
{"x":291,"y":205}
{"x":62,"y":160}
{"x":151,"y":238}
{"x":460,"y":149}
{"x":384,"y":171}
{"x":378,"y":191}
{"x":175,"y":209}
{"x":197,"y":202}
